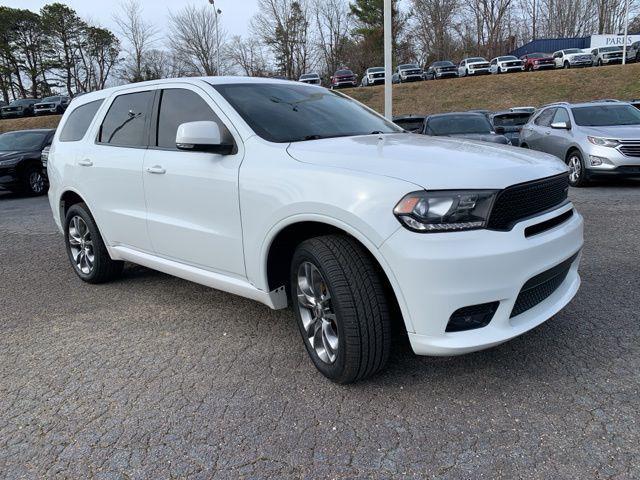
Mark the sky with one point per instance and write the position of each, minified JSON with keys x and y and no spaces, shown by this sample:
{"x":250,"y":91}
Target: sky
{"x":234,"y":19}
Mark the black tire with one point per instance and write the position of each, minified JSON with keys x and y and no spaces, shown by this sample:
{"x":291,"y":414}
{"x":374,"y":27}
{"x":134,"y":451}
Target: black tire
{"x":599,"y":64}
{"x":579,"y":180}
{"x":524,"y":145}
{"x":357,"y":298}
{"x":104,"y":268}
{"x":34,"y":181}
{"x":567,"y":65}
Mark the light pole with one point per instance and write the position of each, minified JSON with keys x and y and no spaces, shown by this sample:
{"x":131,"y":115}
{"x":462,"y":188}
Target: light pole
{"x":388,"y":61}
{"x":217,"y":12}
{"x":626,"y":33}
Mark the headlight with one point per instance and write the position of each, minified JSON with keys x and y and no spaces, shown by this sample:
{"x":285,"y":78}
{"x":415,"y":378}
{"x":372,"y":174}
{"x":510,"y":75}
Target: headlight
{"x":445,"y":211}
{"x":604,"y":142}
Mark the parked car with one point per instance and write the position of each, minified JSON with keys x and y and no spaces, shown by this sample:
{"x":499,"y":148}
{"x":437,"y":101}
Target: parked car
{"x":474,"y":126}
{"x":310,"y":78}
{"x":344,"y":78}
{"x":606,"y":56}
{"x":506,"y":64}
{"x":411,"y":123}
{"x":537,"y":61}
{"x":509,"y":124}
{"x":52,"y":105}
{"x":442,"y":69}
{"x":20,"y":162}
{"x":474,"y":66}
{"x":571,"y":58}
{"x":373,"y":76}
{"x":595,"y":139}
{"x":409,"y":72}
{"x":633,"y":52}
{"x":22,"y":107}
{"x":412,"y":244}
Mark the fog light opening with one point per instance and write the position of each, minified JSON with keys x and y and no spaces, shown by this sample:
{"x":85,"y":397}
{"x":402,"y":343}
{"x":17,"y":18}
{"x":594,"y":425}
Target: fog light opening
{"x":472,"y":317}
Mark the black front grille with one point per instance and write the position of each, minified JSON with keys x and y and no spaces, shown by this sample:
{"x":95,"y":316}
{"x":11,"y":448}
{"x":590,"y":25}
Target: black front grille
{"x":630,"y":148}
{"x":541,"y":287}
{"x":518,"y":202}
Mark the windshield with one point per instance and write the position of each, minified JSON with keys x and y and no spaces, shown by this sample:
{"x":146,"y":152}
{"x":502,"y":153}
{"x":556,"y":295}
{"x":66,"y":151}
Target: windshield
{"x":23,"y":141}
{"x":22,"y":101}
{"x":476,"y":59}
{"x":308,"y":76}
{"x":376,"y":70}
{"x":408,"y":66}
{"x":459,"y":124}
{"x":611,"y":49}
{"x":507,"y":58}
{"x":293,"y":113}
{"x":572,"y":50}
{"x":536,"y":55}
{"x":442,"y":64}
{"x":344,"y":72}
{"x":606,"y":115}
{"x":51,"y":99}
{"x":511,"y":120}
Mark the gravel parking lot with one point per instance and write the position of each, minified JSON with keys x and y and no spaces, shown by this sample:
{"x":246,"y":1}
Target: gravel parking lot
{"x":156,"y":377}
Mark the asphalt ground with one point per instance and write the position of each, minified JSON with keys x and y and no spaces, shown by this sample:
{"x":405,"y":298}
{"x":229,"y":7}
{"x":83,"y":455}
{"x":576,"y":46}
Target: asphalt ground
{"x":156,"y":377}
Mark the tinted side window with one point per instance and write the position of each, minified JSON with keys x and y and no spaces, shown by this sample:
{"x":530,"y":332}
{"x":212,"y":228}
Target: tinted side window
{"x":78,"y":122}
{"x":545,"y":118}
{"x":124,"y":124}
{"x":178,"y":106}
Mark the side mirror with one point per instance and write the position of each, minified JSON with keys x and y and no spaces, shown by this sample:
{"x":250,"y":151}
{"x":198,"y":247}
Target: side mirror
{"x":560,"y":125}
{"x":203,"y":136}
{"x":500,"y":130}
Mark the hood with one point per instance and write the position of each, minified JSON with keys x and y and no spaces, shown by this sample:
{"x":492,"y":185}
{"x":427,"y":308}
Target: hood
{"x":430,"y":162}
{"x":621,"y":132}
{"x":10,"y":155}
{"x":484,"y":137}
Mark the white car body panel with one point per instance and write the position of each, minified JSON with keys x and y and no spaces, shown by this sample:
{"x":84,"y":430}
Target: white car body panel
{"x":212,"y":219}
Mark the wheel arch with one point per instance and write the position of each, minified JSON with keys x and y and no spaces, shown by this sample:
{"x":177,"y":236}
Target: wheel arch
{"x":68,"y":198}
{"x":282,"y":241}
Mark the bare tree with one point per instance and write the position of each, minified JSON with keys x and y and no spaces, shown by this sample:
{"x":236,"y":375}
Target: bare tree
{"x":192,"y":36}
{"x":140,"y":36}
{"x":249,"y":56}
{"x":333,"y":25}
{"x":435,"y":20}
{"x":283,"y":25}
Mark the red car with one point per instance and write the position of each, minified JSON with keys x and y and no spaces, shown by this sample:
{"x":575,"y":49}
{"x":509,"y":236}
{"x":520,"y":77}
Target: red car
{"x":344,"y":78}
{"x":537,"y":61}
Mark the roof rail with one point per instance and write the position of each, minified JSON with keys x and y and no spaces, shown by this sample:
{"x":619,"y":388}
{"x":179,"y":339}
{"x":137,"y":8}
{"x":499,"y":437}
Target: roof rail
{"x":555,"y":103}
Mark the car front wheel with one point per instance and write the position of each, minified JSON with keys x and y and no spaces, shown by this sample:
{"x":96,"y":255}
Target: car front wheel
{"x":35,"y":181}
{"x":86,"y":249}
{"x":340,"y":304}
{"x":577,"y":174}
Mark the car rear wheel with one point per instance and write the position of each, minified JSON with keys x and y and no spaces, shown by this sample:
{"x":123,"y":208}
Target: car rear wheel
{"x":577,"y":174}
{"x":35,"y":181}
{"x":86,"y":250}
{"x":340,"y":304}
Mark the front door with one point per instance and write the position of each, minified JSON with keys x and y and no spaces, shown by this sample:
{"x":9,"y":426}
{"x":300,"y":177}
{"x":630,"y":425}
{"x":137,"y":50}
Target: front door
{"x":193,"y":211}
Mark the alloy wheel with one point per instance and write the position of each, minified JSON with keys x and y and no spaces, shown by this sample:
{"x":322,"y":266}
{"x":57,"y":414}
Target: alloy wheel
{"x":36,"y":182}
{"x":575,"y":169}
{"x":81,"y":245}
{"x":316,"y":311}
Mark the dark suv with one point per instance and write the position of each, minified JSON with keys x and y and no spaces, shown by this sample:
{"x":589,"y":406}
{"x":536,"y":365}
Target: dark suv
{"x":20,"y":160}
{"x":23,"y":107}
{"x":442,"y":69}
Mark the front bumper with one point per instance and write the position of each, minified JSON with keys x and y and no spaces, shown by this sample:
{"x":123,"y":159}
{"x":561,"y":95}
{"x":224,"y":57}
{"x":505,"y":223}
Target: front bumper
{"x":14,"y":114}
{"x":45,"y":111}
{"x":544,"y":66}
{"x":478,"y":71}
{"x":581,"y":63}
{"x":446,"y":74}
{"x":349,"y":83}
{"x":519,"y":68}
{"x":412,"y":78}
{"x":611,"y":61}
{"x":441,"y":273}
{"x":9,"y":177}
{"x":614,"y":162}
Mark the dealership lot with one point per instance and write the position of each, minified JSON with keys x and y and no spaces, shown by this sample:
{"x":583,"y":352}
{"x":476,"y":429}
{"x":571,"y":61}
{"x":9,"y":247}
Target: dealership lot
{"x":153,"y":376}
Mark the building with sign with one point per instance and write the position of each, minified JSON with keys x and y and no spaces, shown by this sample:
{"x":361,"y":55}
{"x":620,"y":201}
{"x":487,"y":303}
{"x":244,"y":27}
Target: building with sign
{"x":550,"y":45}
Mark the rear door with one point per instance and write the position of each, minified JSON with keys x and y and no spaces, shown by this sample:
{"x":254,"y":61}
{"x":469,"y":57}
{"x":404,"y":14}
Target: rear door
{"x":111,"y":169}
{"x":560,"y":139}
{"x":192,"y":200}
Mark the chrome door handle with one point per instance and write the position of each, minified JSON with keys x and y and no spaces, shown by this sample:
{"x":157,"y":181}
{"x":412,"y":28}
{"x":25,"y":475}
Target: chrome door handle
{"x":85,"y":163}
{"x":156,"y":169}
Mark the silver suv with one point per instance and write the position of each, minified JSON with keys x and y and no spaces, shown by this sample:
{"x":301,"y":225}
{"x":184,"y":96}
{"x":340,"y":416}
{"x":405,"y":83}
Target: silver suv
{"x":594,"y":139}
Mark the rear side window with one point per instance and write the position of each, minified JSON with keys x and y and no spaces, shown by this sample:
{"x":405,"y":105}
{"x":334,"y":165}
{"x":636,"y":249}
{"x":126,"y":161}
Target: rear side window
{"x":178,"y":106}
{"x":125,"y":122}
{"x":78,"y":121}
{"x":561,"y":116}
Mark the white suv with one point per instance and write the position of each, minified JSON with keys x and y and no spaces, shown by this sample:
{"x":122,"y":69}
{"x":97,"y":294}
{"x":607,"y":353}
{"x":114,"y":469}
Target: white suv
{"x":572,"y":58}
{"x":287,"y":193}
